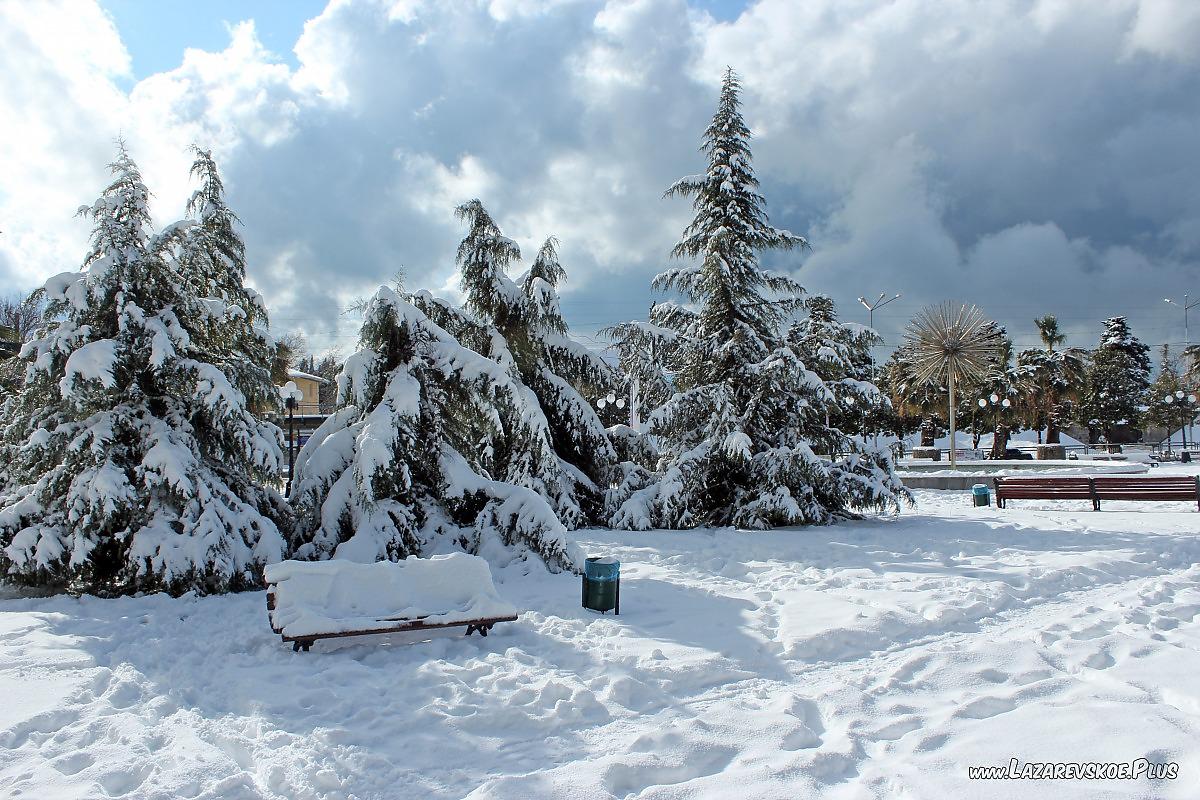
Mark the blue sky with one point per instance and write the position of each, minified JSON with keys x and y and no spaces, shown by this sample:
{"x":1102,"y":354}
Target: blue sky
{"x":1031,"y":156}
{"x":156,"y":32}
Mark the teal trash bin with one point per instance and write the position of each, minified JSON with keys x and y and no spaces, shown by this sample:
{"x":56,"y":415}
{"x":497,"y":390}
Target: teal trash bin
{"x":981,"y":495}
{"x":602,"y":584}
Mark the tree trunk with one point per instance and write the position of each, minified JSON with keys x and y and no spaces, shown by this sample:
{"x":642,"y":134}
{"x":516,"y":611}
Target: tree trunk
{"x":927,"y":431}
{"x":953,"y":426}
{"x":999,"y":441}
{"x":1052,"y":427}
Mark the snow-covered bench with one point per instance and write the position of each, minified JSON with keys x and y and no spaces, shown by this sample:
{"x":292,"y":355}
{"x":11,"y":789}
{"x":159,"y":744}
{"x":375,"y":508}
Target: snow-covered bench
{"x":310,"y":600}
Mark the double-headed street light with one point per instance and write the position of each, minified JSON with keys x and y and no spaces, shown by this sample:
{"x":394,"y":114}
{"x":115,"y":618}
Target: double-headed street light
{"x":1185,"y":305}
{"x":291,"y":395}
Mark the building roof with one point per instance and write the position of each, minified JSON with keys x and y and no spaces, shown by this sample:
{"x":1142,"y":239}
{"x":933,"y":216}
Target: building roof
{"x":295,"y":373}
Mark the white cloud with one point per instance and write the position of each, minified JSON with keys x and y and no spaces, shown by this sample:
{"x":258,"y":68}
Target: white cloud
{"x":941,"y":149}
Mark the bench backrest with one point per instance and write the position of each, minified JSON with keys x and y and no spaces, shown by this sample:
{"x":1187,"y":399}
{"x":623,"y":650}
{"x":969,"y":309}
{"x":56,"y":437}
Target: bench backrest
{"x":1044,"y":488}
{"x":1166,"y":487}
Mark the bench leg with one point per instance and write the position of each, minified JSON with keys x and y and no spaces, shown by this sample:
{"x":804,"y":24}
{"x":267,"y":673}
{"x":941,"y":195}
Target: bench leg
{"x":472,"y":628}
{"x":298,"y":645}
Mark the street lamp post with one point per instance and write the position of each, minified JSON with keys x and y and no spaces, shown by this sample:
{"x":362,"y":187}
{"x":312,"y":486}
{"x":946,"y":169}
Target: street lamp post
{"x":291,"y":395}
{"x":879,"y":302}
{"x":1004,"y":404}
{"x":1187,"y":410}
{"x":1191,"y":414}
{"x":1186,"y":306}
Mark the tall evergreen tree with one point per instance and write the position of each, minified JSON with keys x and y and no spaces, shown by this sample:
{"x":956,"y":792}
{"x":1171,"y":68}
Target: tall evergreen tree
{"x":1158,"y":413}
{"x":740,"y":436}
{"x":1118,"y":375}
{"x":420,"y":456}
{"x":137,"y":462}
{"x":519,"y":324}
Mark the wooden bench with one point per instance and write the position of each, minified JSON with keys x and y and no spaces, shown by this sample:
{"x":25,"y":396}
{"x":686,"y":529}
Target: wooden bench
{"x":308,"y":601}
{"x":1160,"y":487}
{"x":1181,"y":487}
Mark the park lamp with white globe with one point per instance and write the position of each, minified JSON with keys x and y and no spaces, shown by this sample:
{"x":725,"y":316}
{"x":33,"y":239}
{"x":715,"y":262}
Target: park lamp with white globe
{"x":1186,"y":411}
{"x":291,"y":395}
{"x":611,"y":399}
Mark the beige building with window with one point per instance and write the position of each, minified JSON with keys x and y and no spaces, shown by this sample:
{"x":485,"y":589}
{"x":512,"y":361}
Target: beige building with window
{"x":310,"y":385}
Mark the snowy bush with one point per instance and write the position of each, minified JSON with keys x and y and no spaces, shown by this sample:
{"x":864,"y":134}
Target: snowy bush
{"x":135,"y":462}
{"x":746,"y":437}
{"x":434,"y":448}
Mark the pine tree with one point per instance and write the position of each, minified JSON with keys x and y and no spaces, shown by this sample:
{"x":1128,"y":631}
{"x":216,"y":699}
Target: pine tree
{"x":840,"y":353}
{"x":740,"y":437}
{"x":519,"y":325}
{"x":144,"y":469}
{"x":1118,"y":375}
{"x":1158,"y":413}
{"x":418,"y":457}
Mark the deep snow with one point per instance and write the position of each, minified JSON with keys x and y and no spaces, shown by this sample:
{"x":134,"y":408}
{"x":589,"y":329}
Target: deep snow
{"x":869,"y":659}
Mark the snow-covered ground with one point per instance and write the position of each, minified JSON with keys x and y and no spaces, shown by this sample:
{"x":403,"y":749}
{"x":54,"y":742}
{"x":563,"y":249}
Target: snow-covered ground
{"x":878,"y":658}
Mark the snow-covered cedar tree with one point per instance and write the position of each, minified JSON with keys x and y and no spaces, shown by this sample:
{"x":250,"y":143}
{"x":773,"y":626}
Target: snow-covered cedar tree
{"x":643,"y":350}
{"x":418,"y":457}
{"x":139,"y":465}
{"x":1118,"y":375}
{"x":744,"y":438}
{"x":519,"y":325}
{"x":1157,"y":413}
{"x":840,"y":353}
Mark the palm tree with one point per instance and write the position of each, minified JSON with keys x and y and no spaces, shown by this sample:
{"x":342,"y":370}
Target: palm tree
{"x":1058,"y":377}
{"x":952,"y":344}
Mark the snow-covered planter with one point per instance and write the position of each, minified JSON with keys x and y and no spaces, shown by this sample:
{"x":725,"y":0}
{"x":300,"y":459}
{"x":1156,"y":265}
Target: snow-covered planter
{"x":323,"y":599}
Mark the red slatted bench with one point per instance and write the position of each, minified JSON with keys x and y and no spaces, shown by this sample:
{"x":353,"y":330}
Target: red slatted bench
{"x":1167,"y":487}
{"x":1045,"y":489}
{"x":1174,"y":487}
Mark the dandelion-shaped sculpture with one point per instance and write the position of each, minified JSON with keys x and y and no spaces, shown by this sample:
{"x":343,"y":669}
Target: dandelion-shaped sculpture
{"x":951,"y":344}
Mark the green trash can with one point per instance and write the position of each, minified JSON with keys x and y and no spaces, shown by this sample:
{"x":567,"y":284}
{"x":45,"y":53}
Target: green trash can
{"x":602,"y":584}
{"x":981,"y":495}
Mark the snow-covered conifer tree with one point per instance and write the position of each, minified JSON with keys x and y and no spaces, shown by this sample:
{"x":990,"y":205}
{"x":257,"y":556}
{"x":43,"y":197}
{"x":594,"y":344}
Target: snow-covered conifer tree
{"x":417,"y":458}
{"x":744,"y":438}
{"x":1118,"y":375}
{"x":840,"y":353}
{"x":138,"y":464}
{"x":519,"y":324}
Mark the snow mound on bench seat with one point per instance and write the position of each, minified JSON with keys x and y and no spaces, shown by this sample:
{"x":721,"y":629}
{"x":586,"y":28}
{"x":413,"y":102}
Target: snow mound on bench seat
{"x":323,"y":597}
